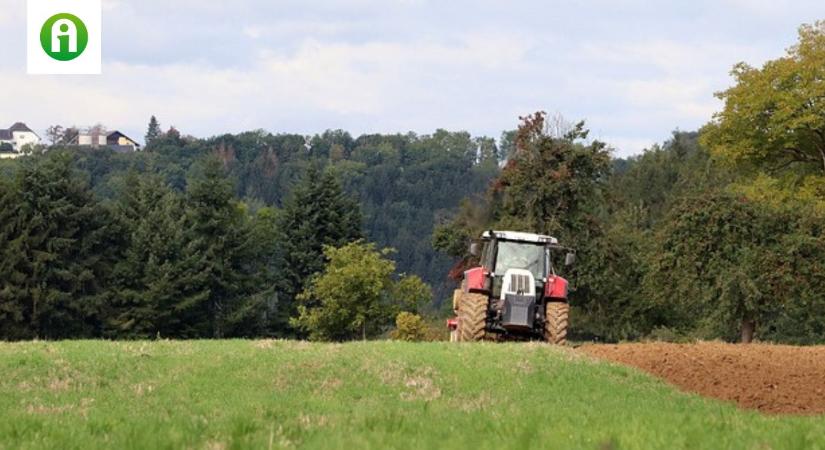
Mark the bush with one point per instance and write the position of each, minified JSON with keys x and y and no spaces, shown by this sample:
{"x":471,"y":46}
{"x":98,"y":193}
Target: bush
{"x":410,"y":327}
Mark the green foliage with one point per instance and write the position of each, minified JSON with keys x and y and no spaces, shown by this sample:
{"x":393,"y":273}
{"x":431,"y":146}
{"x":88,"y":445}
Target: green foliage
{"x":638,"y":197}
{"x":550,"y":184}
{"x":224,"y":237}
{"x":643,"y":188}
{"x":775,"y":117}
{"x":316,"y":215}
{"x":153,"y":132}
{"x":154,"y":262}
{"x":729,"y":262}
{"x":409,"y":327}
{"x":55,"y":251}
{"x":351,"y":298}
{"x":412,"y":294}
{"x":405,"y":184}
{"x":219,"y":236}
{"x":798,"y":268}
{"x":160,"y":280}
{"x":453,"y":237}
{"x":268,"y":237}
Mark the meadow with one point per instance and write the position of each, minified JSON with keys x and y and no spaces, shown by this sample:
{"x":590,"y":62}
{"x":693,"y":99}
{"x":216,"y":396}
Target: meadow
{"x":288,"y":394}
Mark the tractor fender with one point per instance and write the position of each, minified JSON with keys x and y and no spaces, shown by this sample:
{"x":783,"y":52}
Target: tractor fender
{"x":556,"y":288}
{"x":475,"y":280}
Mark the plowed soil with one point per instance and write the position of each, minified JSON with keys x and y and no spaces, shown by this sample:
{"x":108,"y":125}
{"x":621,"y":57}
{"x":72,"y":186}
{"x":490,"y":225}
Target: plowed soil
{"x":774,"y":379}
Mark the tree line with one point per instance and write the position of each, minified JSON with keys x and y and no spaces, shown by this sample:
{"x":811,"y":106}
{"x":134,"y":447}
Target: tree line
{"x":713,"y":234}
{"x":150,"y":261}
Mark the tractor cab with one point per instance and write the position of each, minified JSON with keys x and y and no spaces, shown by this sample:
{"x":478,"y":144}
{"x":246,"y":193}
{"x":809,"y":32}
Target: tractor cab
{"x":526,"y":254}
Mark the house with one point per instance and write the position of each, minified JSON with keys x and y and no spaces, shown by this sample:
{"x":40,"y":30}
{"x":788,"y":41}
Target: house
{"x":121,"y":143}
{"x":96,"y":138}
{"x":15,"y":138}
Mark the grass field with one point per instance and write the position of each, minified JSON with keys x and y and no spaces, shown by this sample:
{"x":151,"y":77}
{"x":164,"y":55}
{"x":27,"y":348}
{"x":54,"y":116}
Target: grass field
{"x":273,"y":394}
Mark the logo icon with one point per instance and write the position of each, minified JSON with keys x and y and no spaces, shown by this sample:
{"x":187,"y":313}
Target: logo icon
{"x":64,"y":37}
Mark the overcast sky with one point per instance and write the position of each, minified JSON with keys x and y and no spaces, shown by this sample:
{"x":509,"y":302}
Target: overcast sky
{"x":634,"y":70}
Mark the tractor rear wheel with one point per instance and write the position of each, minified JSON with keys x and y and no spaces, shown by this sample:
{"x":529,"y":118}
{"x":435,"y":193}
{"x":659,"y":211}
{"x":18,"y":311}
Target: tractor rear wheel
{"x":472,"y":317}
{"x":555,"y":324}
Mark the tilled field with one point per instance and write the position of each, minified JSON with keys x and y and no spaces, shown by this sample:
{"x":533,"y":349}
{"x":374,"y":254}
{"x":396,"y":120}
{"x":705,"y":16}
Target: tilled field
{"x":770,"y":378}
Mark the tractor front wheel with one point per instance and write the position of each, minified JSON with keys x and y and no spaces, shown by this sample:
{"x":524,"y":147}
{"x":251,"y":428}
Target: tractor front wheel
{"x":472,"y":317}
{"x":556,"y":320}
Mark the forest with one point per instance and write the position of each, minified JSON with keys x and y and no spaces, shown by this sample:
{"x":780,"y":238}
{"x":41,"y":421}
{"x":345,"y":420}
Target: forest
{"x":715,"y":234}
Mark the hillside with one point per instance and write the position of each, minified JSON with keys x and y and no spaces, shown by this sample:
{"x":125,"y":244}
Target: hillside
{"x":278,"y":394}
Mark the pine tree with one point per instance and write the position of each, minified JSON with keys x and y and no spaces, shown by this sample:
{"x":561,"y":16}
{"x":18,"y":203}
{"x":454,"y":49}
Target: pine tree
{"x":318,"y":213}
{"x":55,"y":250}
{"x":154,"y":130}
{"x":224,"y":236}
{"x":158,"y":285}
{"x":13,"y":311}
{"x":268,"y":238}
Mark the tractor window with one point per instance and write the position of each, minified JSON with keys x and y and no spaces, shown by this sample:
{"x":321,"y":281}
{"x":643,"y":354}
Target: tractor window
{"x":520,"y":255}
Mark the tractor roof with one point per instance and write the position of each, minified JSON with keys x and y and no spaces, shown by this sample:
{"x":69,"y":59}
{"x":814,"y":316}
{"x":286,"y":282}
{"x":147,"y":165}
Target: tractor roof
{"x":521,"y":237}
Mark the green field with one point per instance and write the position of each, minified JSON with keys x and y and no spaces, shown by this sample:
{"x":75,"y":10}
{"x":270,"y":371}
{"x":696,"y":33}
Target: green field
{"x":277,"y":394}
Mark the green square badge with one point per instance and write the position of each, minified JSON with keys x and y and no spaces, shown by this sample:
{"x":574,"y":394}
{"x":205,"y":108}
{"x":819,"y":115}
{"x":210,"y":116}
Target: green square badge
{"x":64,"y":36}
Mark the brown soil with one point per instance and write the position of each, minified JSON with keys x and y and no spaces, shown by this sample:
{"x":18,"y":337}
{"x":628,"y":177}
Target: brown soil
{"x":773,"y":379}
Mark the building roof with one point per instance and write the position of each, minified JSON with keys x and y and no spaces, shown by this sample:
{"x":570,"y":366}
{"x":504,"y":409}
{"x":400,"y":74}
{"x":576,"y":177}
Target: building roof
{"x":5,"y":135}
{"x":117,"y":134}
{"x":20,"y":126}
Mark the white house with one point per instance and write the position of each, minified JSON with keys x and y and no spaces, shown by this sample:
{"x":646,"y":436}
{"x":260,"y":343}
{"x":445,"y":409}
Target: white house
{"x":15,"y":138}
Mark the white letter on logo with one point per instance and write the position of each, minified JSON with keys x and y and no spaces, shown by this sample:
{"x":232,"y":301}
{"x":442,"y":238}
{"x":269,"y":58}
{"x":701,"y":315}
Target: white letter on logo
{"x":64,"y":27}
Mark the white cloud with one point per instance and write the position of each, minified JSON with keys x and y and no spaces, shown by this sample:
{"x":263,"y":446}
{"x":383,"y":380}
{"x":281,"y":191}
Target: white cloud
{"x":322,"y":79}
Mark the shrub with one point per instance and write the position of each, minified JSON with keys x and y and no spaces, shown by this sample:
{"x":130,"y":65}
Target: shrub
{"x":410,"y":327}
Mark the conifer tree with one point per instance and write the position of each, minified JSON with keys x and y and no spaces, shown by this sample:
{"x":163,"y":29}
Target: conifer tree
{"x":158,"y":282}
{"x":154,"y":131}
{"x":55,"y":242}
{"x":223,"y":234}
{"x":318,"y":213}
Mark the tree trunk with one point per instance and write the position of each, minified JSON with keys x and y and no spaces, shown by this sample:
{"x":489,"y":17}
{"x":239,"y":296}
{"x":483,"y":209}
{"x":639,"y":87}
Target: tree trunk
{"x":748,"y":330}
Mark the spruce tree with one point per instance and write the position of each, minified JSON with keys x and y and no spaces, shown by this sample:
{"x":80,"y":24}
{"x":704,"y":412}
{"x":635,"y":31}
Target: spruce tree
{"x":154,"y":131}
{"x":268,"y":238}
{"x":14,"y":320}
{"x":55,"y":250}
{"x":158,"y":286}
{"x":317,"y":213}
{"x":224,"y":236}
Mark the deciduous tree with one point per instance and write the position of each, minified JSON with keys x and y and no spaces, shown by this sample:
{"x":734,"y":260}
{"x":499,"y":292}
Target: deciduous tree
{"x":774,"y":117}
{"x":351,"y":298}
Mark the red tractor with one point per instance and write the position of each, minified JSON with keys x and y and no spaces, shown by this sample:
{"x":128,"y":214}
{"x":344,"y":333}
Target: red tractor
{"x":515,"y":294}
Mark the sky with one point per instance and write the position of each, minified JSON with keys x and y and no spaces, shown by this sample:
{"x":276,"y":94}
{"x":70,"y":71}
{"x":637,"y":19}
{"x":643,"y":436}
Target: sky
{"x":633,"y":70}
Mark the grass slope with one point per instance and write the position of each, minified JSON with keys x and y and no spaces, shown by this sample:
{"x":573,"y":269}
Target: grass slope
{"x":273,"y":394}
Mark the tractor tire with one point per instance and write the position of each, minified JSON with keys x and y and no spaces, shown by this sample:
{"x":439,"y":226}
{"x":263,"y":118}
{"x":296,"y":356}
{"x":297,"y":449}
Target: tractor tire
{"x":556,"y":321}
{"x":456,"y":298}
{"x":472,"y":317}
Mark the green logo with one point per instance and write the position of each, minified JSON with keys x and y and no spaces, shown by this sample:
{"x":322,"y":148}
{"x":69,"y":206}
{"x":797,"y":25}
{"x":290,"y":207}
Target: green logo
{"x":64,"y":37}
